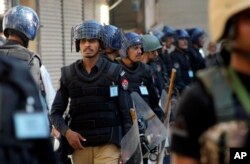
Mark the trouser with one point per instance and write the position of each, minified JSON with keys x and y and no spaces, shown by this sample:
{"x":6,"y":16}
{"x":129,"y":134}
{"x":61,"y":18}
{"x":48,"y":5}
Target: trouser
{"x":104,"y":154}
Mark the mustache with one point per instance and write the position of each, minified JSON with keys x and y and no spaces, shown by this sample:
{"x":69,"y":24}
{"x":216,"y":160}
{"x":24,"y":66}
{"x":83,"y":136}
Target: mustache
{"x":87,"y":49}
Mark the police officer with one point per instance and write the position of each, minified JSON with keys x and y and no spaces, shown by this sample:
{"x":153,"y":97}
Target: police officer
{"x":168,"y":40}
{"x":112,"y":42}
{"x":139,"y":74}
{"x":163,"y":60}
{"x":150,"y":56}
{"x":212,"y":101}
{"x":197,"y":41}
{"x":99,"y":106}
{"x":181,"y":60}
{"x":20,"y":25}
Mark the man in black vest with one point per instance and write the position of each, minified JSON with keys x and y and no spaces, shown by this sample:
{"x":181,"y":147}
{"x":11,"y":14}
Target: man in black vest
{"x":99,"y":106}
{"x":138,"y":73}
{"x":197,"y":41}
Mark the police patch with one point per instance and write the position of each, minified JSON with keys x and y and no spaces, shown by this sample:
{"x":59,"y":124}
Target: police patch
{"x":125,"y":84}
{"x":158,"y":67}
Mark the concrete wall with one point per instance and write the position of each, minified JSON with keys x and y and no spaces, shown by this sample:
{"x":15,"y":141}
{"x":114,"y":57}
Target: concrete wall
{"x":130,"y":15}
{"x":123,"y":16}
{"x":184,"y":13}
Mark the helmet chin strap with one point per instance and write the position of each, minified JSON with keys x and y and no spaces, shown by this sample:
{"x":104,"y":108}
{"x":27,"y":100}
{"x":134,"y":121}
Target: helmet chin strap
{"x":132,"y":62}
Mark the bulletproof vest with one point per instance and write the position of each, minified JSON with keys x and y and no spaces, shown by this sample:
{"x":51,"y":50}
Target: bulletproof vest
{"x":181,"y":62}
{"x":94,"y":113}
{"x":18,"y":52}
{"x":23,"y":54}
{"x":232,"y":127}
{"x":196,"y":60}
{"x":159,"y":78}
{"x":138,"y":77}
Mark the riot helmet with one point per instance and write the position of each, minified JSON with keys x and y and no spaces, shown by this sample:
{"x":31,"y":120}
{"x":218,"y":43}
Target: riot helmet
{"x":168,"y":32}
{"x":195,"y":34}
{"x":89,"y":29}
{"x":129,"y":39}
{"x":112,"y":37}
{"x":180,"y":34}
{"x":150,"y":43}
{"x":23,"y":20}
{"x":220,"y":12}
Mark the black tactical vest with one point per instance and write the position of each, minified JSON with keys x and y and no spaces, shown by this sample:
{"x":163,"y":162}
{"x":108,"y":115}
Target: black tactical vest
{"x":94,"y":113}
{"x":138,"y":77}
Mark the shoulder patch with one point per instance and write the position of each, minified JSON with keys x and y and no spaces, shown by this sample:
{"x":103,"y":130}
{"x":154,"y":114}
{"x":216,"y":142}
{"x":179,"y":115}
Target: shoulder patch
{"x":124,"y":84}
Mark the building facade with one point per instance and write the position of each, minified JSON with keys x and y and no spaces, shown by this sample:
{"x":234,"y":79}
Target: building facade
{"x":184,"y":13}
{"x":57,"y":17}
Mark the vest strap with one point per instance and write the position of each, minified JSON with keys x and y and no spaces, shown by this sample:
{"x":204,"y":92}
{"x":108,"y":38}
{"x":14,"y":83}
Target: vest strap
{"x":239,"y":90}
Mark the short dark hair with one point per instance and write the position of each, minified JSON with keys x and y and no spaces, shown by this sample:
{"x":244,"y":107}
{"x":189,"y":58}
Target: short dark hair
{"x":24,"y":39}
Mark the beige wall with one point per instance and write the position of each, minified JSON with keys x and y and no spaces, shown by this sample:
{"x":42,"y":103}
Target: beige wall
{"x":150,"y":14}
{"x":183,"y":13}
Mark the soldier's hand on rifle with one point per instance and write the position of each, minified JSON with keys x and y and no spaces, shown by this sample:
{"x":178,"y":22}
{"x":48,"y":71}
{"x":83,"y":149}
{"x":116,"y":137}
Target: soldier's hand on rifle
{"x":74,"y":139}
